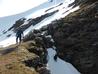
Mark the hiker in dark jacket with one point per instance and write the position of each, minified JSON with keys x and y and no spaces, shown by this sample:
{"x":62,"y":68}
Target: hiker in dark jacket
{"x":19,"y":35}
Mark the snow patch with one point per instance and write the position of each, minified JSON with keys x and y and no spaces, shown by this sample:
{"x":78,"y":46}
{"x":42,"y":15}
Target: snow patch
{"x":12,"y":7}
{"x":8,"y":42}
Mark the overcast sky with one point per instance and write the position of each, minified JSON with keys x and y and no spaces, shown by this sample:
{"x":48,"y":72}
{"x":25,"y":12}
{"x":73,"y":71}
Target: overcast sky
{"x":11,"y":7}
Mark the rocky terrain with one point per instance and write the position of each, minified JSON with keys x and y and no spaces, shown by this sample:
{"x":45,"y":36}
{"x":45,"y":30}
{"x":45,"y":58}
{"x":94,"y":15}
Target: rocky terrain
{"x":76,"y":37}
{"x":27,"y":58}
{"x":12,"y":57}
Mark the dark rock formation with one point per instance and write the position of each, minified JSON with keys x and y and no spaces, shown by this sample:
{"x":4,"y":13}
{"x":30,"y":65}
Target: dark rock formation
{"x":76,"y":38}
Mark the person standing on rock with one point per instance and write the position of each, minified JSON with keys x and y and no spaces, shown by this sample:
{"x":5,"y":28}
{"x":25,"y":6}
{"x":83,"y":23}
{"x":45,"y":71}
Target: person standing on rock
{"x":19,"y":35}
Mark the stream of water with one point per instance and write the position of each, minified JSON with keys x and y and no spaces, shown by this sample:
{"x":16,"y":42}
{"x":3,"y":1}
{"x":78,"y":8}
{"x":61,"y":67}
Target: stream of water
{"x":60,"y":67}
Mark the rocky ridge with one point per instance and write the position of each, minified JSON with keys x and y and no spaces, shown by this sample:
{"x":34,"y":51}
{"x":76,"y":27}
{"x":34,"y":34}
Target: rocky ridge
{"x":29,"y":57}
{"x":76,"y":37}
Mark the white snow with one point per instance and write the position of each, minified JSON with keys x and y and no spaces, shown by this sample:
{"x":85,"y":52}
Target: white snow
{"x":59,"y":67}
{"x":8,"y":42}
{"x":40,"y":11}
{"x":12,"y":7}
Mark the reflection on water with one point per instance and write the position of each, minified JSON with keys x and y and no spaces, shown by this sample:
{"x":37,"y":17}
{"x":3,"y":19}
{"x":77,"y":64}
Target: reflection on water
{"x":59,"y":67}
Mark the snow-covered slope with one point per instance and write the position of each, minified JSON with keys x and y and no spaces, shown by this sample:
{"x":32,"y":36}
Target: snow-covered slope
{"x":44,"y":8}
{"x":11,"y":7}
